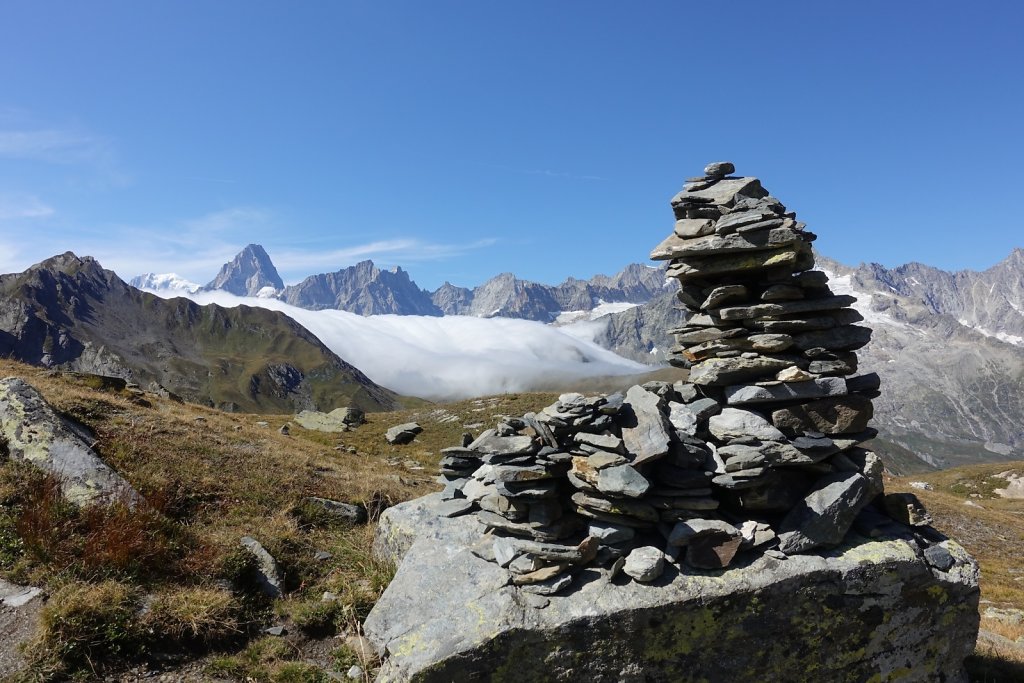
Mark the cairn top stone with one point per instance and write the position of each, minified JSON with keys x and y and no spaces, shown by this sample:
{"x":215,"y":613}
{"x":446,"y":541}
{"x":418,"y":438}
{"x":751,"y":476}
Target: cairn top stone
{"x":719,"y":169}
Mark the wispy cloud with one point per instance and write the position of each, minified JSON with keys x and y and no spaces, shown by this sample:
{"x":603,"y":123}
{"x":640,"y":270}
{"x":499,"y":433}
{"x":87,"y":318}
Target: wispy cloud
{"x":227,"y":220}
{"x":24,"y":139}
{"x":394,"y":251}
{"x":53,"y":146}
{"x":19,"y":207}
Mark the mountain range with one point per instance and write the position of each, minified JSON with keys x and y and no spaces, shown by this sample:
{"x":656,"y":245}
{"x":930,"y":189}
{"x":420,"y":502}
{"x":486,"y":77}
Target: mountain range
{"x":69,"y":313}
{"x":367,"y":290}
{"x":949,"y":345}
{"x":953,"y":343}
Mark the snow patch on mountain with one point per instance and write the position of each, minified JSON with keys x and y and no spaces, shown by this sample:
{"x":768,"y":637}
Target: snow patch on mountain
{"x":842,"y":284}
{"x":1001,"y":336}
{"x":164,"y":282}
{"x":450,"y":357}
{"x":601,"y":309}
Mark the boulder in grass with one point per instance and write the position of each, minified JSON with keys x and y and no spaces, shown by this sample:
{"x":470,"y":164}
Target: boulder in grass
{"x":35,"y":434}
{"x":402,"y":434}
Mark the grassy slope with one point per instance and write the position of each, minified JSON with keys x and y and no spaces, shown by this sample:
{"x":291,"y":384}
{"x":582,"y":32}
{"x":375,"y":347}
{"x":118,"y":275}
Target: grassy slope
{"x":964,"y":506}
{"x":213,"y":477}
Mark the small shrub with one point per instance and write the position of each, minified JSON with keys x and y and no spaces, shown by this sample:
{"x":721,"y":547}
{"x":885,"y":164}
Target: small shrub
{"x":84,"y":625}
{"x":257,"y":662}
{"x":321,"y":618}
{"x":11,"y":545}
{"x":204,"y":616}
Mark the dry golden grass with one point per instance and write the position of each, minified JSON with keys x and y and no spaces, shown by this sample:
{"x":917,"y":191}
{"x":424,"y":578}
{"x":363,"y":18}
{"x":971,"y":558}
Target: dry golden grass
{"x":964,"y":506}
{"x":209,"y":478}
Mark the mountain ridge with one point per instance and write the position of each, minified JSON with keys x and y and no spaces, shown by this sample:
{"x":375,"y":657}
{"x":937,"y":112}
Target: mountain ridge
{"x":69,"y":313}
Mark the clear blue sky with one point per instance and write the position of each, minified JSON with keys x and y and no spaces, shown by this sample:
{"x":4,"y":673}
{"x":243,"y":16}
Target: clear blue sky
{"x":463,"y":139}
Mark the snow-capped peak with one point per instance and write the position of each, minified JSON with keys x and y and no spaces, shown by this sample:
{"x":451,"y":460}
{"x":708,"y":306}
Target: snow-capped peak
{"x":164,"y":282}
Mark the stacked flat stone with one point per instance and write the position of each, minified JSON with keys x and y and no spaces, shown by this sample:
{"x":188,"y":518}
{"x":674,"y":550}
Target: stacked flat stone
{"x":759,"y":452}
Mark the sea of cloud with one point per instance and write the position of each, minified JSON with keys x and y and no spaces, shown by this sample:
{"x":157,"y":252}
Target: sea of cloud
{"x":449,"y":357}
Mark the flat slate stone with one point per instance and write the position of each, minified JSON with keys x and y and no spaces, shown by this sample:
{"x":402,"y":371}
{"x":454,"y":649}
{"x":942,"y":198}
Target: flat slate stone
{"x":645,"y":429}
{"x":845,"y":338}
{"x":724,"y":192}
{"x":403,"y":433}
{"x":787,"y":391}
{"x":622,"y":480}
{"x":675,"y":246}
{"x":694,"y":267}
{"x":606,"y":442}
{"x":726,"y":371}
{"x":827,"y":303}
{"x":504,"y":445}
{"x":839,"y":415}
{"x":734,"y":423}
{"x":827,"y":513}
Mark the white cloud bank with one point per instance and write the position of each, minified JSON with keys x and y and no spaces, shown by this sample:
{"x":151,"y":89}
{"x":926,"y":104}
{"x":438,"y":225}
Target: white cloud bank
{"x":451,"y":357}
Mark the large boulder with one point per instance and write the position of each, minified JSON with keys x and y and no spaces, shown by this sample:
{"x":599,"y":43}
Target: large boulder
{"x":35,"y":434}
{"x":338,"y":420}
{"x":866,"y":610}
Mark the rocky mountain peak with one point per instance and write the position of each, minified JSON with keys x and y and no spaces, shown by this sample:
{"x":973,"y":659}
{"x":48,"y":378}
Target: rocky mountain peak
{"x":248,"y":273}
{"x":364,"y":289}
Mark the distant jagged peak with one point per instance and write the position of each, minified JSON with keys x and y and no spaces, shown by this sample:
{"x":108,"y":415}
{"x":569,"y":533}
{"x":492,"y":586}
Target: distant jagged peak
{"x":250,"y":272}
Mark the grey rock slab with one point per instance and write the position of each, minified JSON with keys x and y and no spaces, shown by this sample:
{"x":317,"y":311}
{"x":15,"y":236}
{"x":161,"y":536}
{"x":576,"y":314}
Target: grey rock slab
{"x":35,"y":434}
{"x":725,"y":192}
{"x":689,"y":227}
{"x":610,"y":533}
{"x":688,"y":268}
{"x":684,"y":533}
{"x":726,"y":371}
{"x":734,"y":423}
{"x":826,"y":514}
{"x":844,"y":338}
{"x":507,"y":473}
{"x":353,"y":514}
{"x":267,"y":573}
{"x":399,"y":527}
{"x":827,"y":303}
{"x":449,"y":615}
{"x":787,"y":391}
{"x":547,"y":587}
{"x":644,"y":564}
{"x":602,"y":459}
{"x":338,"y":420}
{"x":837,"y":415}
{"x":732,"y":221}
{"x":622,"y":480}
{"x":624,"y":507}
{"x":504,"y":445}
{"x":606,"y":442}
{"x":782,"y":293}
{"x":454,"y":507}
{"x":674,"y":246}
{"x":403,"y":433}
{"x":645,"y":429}
{"x":725,"y":294}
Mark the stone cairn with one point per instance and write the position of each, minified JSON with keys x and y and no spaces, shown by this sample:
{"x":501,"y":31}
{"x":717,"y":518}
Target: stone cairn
{"x":757,"y":453}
